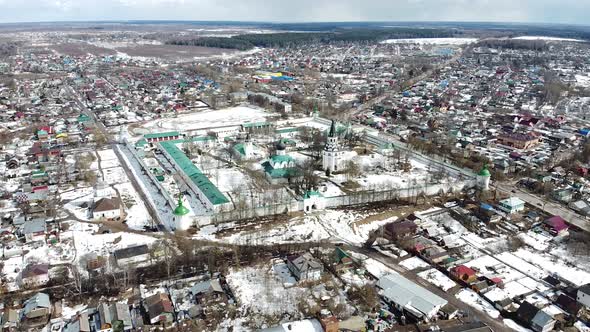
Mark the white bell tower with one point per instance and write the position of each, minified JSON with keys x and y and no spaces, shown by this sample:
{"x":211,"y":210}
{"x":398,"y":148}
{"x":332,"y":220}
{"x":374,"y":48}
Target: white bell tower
{"x":332,"y":156}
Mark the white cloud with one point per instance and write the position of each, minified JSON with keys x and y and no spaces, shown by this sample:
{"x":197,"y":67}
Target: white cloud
{"x":565,"y":11}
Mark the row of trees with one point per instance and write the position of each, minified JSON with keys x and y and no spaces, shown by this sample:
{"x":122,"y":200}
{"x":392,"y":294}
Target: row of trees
{"x":289,"y":39}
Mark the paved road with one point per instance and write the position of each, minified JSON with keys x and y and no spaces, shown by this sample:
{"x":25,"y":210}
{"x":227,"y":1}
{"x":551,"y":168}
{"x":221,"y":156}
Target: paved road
{"x":549,"y":206}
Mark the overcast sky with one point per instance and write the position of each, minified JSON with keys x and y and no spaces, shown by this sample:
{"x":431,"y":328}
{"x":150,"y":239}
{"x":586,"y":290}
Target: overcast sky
{"x":547,"y":11}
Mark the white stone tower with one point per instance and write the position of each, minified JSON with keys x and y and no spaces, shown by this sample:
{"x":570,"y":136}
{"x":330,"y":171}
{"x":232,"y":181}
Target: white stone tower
{"x":332,"y":156}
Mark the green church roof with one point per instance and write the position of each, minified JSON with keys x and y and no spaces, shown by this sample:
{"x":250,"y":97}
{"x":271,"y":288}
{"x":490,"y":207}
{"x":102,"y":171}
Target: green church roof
{"x":181,"y":210}
{"x":484,"y":171}
{"x":281,"y":158}
{"x":311,"y":193}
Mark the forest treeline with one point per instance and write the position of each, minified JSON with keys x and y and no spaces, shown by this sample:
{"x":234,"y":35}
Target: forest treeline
{"x":286,"y":39}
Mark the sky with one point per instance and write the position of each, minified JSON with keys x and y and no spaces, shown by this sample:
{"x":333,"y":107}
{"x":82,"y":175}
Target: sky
{"x":538,"y":11}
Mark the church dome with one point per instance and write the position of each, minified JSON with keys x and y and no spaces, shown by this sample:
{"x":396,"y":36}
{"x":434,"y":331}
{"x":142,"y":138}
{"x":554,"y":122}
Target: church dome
{"x":281,"y":146}
{"x":484,"y":171}
{"x":181,"y":210}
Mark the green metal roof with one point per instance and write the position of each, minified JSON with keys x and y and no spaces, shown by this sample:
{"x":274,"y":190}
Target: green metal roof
{"x":240,"y":149}
{"x":38,"y":174}
{"x":484,"y":171}
{"x":194,"y":173}
{"x":83,"y":118}
{"x":287,"y":130}
{"x":341,"y":254}
{"x":255,"y":124}
{"x":277,"y":173}
{"x":202,"y":139}
{"x":280,"y":159}
{"x":160,"y":135}
{"x":311,"y":193}
{"x":141,"y":143}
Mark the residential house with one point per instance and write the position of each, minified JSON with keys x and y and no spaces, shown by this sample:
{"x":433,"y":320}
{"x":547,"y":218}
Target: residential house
{"x":581,"y":207}
{"x":132,"y":255}
{"x":36,"y":309}
{"x":464,"y":273}
{"x":107,"y":208}
{"x":487,"y":214}
{"x":110,"y":313}
{"x":518,"y":141}
{"x":305,"y":267}
{"x":435,"y":254}
{"x":10,"y":320}
{"x":511,"y":205}
{"x":399,"y":230}
{"x":568,"y":304}
{"x":535,"y":318}
{"x":35,"y":275}
{"x":34,"y":230}
{"x":564,"y":195}
{"x":543,"y":322}
{"x":583,"y":295}
{"x":556,"y":225}
{"x":159,"y":308}
{"x":208,"y":291}
{"x":342,"y":260}
{"x":80,"y":323}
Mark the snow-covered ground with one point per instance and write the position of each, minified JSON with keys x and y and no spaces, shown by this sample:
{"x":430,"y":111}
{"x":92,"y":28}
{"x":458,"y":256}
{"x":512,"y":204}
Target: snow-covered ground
{"x":332,"y":225}
{"x":114,"y":175}
{"x":431,"y":41}
{"x":514,"y":326}
{"x":377,"y":268}
{"x":438,"y":279}
{"x":87,"y":240}
{"x":472,"y":299}
{"x":270,"y":290}
{"x":555,"y":265}
{"x":583,"y":80}
{"x":414,"y":263}
{"x":209,"y":118}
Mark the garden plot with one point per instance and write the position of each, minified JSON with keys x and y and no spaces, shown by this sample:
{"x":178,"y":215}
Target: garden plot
{"x":491,"y":267}
{"x":555,"y":265}
{"x":60,"y":253}
{"x":88,"y":241}
{"x":136,"y":214}
{"x":438,"y":279}
{"x":472,"y":299}
{"x":114,"y":175}
{"x":261,"y":292}
{"x":108,"y":158}
{"x":414,"y":263}
{"x":522,"y":265}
